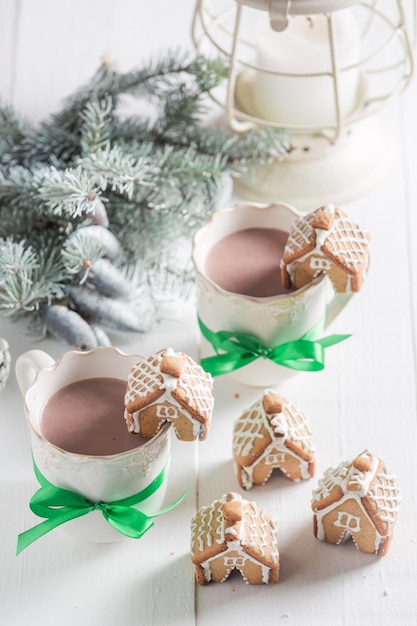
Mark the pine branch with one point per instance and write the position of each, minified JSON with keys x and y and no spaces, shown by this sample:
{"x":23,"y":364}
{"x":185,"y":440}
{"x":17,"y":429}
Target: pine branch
{"x":71,"y":192}
{"x":32,"y":280}
{"x":51,"y":191}
{"x":97,"y":119}
{"x":50,"y":144}
{"x":152,"y":80}
{"x":97,"y":211}
{"x":15,"y":259}
{"x":250,"y":148}
{"x":208,"y":73}
{"x":12,"y":131}
{"x":79,"y":253}
{"x":119,"y":171}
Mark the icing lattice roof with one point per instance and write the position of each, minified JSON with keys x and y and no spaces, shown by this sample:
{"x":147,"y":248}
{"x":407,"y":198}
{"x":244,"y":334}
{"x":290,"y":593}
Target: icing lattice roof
{"x":288,"y":424}
{"x":385,"y":494}
{"x":345,"y":242}
{"x":255,"y":534}
{"x":376,"y":487}
{"x":197,"y":387}
{"x":169,"y":387}
{"x":145,"y":380}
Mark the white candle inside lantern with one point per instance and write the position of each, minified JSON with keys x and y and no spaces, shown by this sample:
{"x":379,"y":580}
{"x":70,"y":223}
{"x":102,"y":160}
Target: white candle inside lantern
{"x":304,"y":48}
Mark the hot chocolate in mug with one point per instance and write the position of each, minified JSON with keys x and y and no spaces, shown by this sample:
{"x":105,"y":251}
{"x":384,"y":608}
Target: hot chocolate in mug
{"x":109,"y":482}
{"x":247,"y":328}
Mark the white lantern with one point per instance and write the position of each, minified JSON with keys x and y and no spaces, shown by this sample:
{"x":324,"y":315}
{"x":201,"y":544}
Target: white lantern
{"x":323,"y":70}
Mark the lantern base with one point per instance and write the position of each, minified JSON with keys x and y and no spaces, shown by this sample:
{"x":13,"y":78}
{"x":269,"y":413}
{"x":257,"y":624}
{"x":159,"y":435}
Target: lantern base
{"x":317,"y":172}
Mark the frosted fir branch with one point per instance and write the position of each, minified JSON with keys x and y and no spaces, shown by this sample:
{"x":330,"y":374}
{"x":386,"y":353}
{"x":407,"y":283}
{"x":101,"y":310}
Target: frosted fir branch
{"x":165,"y":216}
{"x":71,"y":192}
{"x":12,"y":131}
{"x":181,"y":109}
{"x":189,"y":162}
{"x":161,"y":75}
{"x":185,"y":174}
{"x":151,"y":79}
{"x":161,"y":176}
{"x":208,"y":72}
{"x":19,"y":190}
{"x":52,"y":269}
{"x":183,"y":105}
{"x":48,"y":144}
{"x":102,"y":235}
{"x":95,"y":132}
{"x":48,"y":191}
{"x":29,"y":278}
{"x":156,"y":287}
{"x":20,"y":181}
{"x":15,"y":259}
{"x":57,"y":140}
{"x":234,"y":149}
{"x":118,"y":171}
{"x":131,"y":132}
{"x":259,"y":146}
{"x":24,"y":292}
{"x":79,"y":253}
{"x":21,"y":144}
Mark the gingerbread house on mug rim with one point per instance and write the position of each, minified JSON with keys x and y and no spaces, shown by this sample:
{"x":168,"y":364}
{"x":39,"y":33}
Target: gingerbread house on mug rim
{"x":169,"y":387}
{"x":272,"y":434}
{"x":232,"y":533}
{"x":359,"y":498}
{"x":326,"y":241}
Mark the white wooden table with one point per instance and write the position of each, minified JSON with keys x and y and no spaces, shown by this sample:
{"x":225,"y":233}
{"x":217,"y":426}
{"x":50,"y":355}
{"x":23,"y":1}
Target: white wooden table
{"x":365,"y":397}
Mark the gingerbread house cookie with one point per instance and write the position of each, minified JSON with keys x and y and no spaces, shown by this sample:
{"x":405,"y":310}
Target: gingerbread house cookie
{"x":232,"y":533}
{"x":359,"y":498}
{"x":271,"y":434}
{"x":169,"y":387}
{"x":326,"y":241}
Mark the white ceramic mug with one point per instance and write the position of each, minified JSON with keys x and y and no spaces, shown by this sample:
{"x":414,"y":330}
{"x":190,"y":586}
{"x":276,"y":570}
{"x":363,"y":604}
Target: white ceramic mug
{"x":97,"y":478}
{"x":272,"y":320}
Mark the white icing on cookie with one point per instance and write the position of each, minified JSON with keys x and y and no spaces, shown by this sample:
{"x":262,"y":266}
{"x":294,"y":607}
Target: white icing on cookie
{"x":195,"y":387}
{"x":290,"y":424}
{"x":356,"y":484}
{"x":255,"y":530}
{"x":347,"y":240}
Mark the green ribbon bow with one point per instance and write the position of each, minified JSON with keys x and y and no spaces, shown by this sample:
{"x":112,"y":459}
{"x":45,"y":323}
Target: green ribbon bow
{"x":239,"y":349}
{"x":61,"y":505}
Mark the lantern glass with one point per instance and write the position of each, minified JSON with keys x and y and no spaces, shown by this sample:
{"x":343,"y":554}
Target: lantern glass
{"x":384,"y":62}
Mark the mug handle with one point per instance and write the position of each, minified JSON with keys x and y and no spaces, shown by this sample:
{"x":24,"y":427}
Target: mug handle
{"x":335,"y":305}
{"x":28,"y":365}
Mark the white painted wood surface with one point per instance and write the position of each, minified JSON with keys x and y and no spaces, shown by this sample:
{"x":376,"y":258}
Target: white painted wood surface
{"x":366,"y":396}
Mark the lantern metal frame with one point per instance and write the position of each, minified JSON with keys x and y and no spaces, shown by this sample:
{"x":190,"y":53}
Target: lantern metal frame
{"x":220,"y":33}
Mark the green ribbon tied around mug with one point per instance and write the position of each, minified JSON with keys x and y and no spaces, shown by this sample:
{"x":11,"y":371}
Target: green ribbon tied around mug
{"x":235,"y":350}
{"x":61,"y":505}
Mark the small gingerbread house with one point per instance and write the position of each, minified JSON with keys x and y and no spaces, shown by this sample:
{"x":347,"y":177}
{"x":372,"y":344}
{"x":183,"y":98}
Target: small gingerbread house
{"x":232,"y":533}
{"x":169,"y":387}
{"x":359,"y":498}
{"x":272,"y":434}
{"x":326,"y":241}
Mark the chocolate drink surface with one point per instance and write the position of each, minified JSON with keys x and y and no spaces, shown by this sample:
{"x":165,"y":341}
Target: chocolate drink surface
{"x":247,"y":262}
{"x":86,"y":417}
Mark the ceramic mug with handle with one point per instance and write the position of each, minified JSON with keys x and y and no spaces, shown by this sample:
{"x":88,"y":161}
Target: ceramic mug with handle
{"x":97,"y":478}
{"x":272,"y":320}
